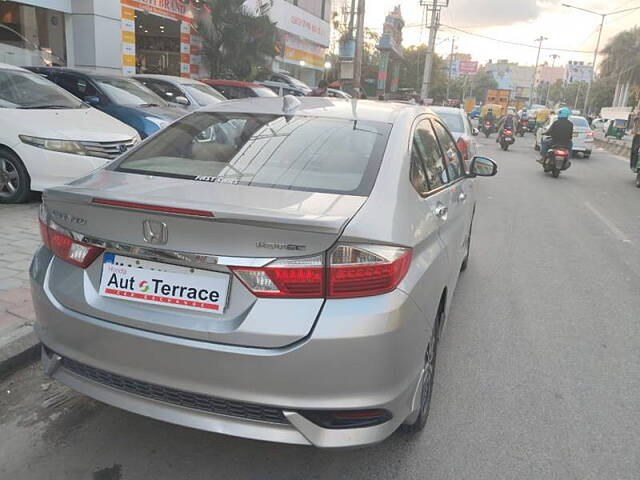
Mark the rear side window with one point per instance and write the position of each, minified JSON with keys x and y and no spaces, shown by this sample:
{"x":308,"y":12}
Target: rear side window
{"x":166,"y":90}
{"x":296,"y":153}
{"x":426,"y":145}
{"x":455,"y":165}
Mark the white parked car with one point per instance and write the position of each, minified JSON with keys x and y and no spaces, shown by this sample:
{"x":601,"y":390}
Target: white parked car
{"x":461,"y":129}
{"x":582,"y":134}
{"x":48,"y":137}
{"x":187,"y":92}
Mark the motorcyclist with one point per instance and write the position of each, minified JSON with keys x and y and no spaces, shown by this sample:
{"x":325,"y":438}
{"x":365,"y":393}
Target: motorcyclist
{"x":508,"y":121}
{"x":490,"y":118}
{"x":560,"y":133}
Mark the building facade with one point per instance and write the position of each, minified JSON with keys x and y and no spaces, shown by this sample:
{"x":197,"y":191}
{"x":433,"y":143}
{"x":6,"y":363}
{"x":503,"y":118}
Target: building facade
{"x":304,"y":34}
{"x":150,"y":36}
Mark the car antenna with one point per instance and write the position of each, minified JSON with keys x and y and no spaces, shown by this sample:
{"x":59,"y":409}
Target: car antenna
{"x":290,"y":104}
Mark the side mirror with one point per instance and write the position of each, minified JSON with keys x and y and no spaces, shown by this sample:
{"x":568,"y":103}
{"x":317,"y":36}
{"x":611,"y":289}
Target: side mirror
{"x":482,"y":167}
{"x":92,"y":100}
{"x":180,"y":100}
{"x":475,"y":132}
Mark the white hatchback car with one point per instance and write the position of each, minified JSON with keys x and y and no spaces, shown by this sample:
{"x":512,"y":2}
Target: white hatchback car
{"x":48,"y":137}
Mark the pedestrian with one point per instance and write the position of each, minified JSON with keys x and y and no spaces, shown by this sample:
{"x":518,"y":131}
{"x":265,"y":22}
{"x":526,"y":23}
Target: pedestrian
{"x":320,"y":90}
{"x":635,"y":144}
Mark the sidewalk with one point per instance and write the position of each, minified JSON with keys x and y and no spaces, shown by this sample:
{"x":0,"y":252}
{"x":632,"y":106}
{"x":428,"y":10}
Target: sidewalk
{"x":19,"y":239}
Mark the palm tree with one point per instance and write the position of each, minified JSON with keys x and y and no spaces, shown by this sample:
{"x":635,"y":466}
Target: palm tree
{"x":622,"y":62}
{"x":235,"y":42}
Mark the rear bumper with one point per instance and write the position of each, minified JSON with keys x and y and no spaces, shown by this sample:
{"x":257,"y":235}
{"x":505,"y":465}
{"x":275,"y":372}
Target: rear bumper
{"x":356,"y":358}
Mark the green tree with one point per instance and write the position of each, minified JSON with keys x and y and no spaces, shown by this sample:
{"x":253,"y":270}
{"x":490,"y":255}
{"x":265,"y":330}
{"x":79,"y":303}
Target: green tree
{"x":622,"y":57}
{"x":412,"y":70}
{"x":482,"y":82}
{"x":235,"y":42}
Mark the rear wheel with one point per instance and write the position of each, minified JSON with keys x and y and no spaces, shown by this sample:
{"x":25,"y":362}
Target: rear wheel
{"x":505,"y":146}
{"x":555,"y":173}
{"x":14,"y":179}
{"x":638,"y":180}
{"x":427,"y":379}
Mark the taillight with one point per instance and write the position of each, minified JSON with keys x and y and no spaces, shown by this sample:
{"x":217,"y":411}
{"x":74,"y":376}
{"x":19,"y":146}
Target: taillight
{"x":463,"y":147}
{"x":589,"y":134}
{"x":287,"y":278}
{"x":64,"y":246}
{"x":352,"y":271}
{"x":560,"y":153}
{"x":508,"y":132}
{"x":364,"y":270}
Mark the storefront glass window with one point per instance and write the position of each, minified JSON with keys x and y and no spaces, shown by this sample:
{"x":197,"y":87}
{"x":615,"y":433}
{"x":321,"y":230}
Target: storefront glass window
{"x":31,"y":35}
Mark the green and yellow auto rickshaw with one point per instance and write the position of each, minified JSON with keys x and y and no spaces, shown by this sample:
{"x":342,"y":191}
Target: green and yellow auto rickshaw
{"x":617,"y":128}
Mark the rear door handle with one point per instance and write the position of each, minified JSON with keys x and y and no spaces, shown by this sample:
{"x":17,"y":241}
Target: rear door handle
{"x":441,"y":211}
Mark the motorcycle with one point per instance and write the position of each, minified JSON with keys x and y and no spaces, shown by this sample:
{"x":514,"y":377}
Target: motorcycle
{"x":487,"y":128}
{"x":556,"y":160}
{"x":522,"y":127}
{"x":506,"y":139}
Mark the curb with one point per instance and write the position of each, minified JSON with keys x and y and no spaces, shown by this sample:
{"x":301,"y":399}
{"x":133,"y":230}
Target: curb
{"x":617,"y":147}
{"x":17,"y":349}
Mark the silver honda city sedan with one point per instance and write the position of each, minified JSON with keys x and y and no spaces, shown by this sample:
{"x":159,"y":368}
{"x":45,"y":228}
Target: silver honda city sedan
{"x":276,"y":269}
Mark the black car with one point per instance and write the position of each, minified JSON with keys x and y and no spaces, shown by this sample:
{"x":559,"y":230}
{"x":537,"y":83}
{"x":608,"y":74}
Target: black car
{"x":119,"y":96}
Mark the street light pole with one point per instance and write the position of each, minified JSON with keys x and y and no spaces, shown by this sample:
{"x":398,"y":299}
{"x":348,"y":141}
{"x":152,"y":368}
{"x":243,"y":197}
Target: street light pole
{"x":553,"y":64}
{"x":535,"y":70}
{"x":595,"y":53}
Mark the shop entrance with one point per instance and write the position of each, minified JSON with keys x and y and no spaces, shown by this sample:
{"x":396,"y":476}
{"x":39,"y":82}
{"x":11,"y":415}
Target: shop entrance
{"x":157,"y":44}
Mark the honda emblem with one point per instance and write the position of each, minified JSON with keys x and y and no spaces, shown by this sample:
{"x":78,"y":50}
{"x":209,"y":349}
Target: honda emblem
{"x":155,"y":233}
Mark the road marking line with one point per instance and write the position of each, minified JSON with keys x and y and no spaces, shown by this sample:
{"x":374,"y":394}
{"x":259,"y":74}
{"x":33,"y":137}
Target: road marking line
{"x":619,"y":234}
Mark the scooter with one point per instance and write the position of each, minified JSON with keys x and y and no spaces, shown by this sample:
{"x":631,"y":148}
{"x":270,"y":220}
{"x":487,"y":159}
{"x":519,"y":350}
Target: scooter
{"x":487,"y":128}
{"x":506,"y":139}
{"x":522,"y":127}
{"x":556,"y":160}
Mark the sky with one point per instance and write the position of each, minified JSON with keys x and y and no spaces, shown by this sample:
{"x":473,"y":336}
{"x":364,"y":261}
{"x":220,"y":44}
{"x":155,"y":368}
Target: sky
{"x":515,"y":21}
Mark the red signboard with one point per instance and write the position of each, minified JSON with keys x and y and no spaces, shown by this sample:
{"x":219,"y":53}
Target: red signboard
{"x":467,"y":67}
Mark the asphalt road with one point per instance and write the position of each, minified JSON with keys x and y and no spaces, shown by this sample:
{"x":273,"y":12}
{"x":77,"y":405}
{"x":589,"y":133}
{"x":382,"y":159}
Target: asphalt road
{"x":537,"y":374}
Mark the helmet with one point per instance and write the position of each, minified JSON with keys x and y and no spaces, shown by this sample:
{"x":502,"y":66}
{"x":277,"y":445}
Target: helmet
{"x":564,"y":113}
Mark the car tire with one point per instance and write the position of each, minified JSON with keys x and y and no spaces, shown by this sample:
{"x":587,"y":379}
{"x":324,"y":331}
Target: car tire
{"x":15,"y":183}
{"x":427,"y":384}
{"x":638,"y":180}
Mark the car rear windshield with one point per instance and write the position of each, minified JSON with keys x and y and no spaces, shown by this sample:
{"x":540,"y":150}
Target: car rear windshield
{"x":287,"y":152}
{"x":579,"y":122}
{"x":453,"y":121}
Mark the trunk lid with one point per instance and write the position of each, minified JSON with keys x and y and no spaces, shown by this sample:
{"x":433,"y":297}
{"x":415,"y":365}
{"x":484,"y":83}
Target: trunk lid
{"x":253,"y":223}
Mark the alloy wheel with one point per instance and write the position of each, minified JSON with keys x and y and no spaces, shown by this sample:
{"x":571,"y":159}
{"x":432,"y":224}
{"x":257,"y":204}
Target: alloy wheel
{"x":9,"y":178}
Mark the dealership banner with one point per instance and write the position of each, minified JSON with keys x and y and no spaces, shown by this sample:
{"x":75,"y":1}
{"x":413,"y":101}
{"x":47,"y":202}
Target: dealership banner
{"x":297,"y":50}
{"x":128,"y":27}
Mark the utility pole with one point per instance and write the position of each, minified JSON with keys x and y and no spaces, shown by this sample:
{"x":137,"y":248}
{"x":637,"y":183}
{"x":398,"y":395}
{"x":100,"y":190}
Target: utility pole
{"x":595,"y":53}
{"x":553,"y":64}
{"x":433,"y":6}
{"x":357,"y":61}
{"x":575,"y":104}
{"x":453,"y":44}
{"x":535,"y":70}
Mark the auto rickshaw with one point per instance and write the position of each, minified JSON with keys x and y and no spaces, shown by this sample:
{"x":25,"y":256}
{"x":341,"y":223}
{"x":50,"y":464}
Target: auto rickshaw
{"x":542,"y":116}
{"x":617,"y":128}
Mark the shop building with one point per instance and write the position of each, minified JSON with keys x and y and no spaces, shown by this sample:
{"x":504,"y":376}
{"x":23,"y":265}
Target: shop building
{"x":303,"y":35}
{"x":113,"y":36}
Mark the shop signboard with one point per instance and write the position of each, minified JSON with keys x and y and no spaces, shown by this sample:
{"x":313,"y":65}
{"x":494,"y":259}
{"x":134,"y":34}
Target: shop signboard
{"x":294,"y":20}
{"x":128,"y":27}
{"x":467,"y":67}
{"x":297,"y":50}
{"x":170,"y":8}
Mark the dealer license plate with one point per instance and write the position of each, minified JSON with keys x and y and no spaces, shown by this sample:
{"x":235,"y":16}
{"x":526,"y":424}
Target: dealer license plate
{"x":162,"y":284}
